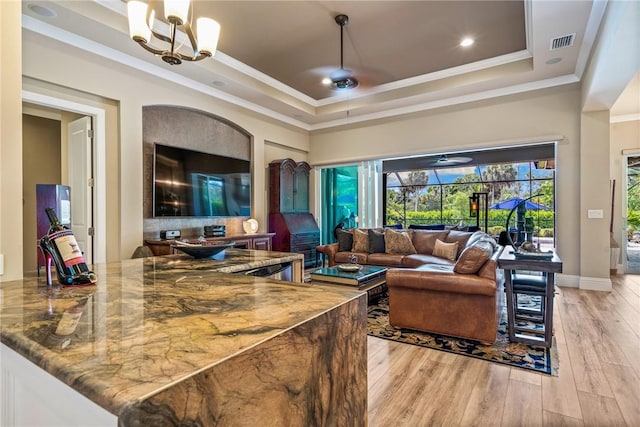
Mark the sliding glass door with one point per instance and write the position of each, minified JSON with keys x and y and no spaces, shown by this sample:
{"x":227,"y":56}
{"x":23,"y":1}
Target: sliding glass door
{"x":339,"y":200}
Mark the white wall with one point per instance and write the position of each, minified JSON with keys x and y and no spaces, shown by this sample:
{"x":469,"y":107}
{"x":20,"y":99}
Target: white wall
{"x":11,"y":245}
{"x":537,"y":116}
{"x":594,"y":196}
{"x":61,"y":65}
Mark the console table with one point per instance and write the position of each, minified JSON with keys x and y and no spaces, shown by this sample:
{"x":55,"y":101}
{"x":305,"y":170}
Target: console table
{"x":548,"y":267}
{"x":257,"y":241}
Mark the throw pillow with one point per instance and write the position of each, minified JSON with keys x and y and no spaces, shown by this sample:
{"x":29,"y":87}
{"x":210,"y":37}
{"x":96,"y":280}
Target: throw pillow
{"x":425,"y":240}
{"x":360,"y":241}
{"x":445,"y":250}
{"x":461,"y":237}
{"x":345,"y":240}
{"x":376,"y":242}
{"x":398,"y":242}
{"x":473,"y":258}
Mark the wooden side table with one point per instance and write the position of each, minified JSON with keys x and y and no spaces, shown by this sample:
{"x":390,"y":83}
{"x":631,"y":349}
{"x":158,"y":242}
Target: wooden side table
{"x":548,"y":267}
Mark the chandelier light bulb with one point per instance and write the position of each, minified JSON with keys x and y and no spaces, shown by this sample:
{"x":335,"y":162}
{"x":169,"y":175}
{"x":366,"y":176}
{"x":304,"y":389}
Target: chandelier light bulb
{"x":208,"y":32}
{"x":176,"y":11}
{"x":138,"y":28}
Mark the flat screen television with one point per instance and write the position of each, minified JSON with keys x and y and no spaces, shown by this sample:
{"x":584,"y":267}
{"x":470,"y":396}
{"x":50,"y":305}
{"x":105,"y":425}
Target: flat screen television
{"x":196,"y":184}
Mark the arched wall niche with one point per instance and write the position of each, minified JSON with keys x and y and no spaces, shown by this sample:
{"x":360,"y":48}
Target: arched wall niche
{"x":196,"y":130}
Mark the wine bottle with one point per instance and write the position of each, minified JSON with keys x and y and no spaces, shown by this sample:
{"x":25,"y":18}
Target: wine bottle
{"x":60,"y":246}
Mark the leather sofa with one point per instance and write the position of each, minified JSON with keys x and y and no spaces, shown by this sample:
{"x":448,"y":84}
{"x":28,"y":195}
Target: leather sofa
{"x":435,"y":298}
{"x":423,"y":241}
{"x":460,"y":297}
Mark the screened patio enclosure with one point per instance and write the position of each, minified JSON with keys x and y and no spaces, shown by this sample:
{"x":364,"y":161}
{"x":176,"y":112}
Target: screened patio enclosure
{"x":421,"y":192}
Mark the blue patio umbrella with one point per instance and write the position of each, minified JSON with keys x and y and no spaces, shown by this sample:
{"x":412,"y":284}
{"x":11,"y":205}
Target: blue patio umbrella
{"x":513,"y":202}
{"x":511,"y":205}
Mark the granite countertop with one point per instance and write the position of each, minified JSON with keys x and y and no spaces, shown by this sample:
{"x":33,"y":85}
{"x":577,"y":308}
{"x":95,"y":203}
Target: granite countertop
{"x":150,"y":323}
{"x":231,"y":260}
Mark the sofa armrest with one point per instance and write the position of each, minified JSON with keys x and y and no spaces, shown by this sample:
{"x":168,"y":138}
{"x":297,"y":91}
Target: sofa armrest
{"x":329,"y":251}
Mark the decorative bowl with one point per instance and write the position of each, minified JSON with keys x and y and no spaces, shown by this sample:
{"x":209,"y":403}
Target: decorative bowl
{"x":349,"y":267}
{"x":202,"y":251}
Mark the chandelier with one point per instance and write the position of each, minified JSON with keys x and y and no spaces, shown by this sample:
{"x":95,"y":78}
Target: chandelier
{"x":176,"y":12}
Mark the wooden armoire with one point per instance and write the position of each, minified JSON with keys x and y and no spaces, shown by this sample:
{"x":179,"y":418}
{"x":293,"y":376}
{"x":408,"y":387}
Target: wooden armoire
{"x":289,"y":217}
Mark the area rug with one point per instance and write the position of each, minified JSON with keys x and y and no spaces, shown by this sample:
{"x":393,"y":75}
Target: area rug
{"x":538,"y":359}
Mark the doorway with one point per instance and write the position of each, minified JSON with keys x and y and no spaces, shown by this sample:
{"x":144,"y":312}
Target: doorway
{"x":95,"y":161}
{"x":631,"y":255}
{"x":51,"y":141}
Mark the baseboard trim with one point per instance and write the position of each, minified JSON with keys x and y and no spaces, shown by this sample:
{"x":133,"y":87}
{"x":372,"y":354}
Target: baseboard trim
{"x":595,"y":284}
{"x":586,"y":283}
{"x":568,"y":280}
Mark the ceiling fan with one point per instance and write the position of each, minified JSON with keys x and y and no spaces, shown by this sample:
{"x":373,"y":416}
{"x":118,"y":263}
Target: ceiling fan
{"x":445,"y":160}
{"x":342,"y":79}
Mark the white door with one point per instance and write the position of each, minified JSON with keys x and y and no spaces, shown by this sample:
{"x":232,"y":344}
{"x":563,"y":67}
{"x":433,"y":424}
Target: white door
{"x":81,"y":183}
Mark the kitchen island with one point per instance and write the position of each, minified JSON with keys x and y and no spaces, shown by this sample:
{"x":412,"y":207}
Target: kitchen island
{"x":174,"y":340}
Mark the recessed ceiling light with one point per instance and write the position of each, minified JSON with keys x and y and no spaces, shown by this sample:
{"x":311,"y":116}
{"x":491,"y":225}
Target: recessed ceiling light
{"x":41,"y":10}
{"x":553,"y":61}
{"x":466,"y":42}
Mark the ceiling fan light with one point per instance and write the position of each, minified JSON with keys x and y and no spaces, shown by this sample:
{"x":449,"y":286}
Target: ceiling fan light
{"x":208,"y":33}
{"x":138,"y":28}
{"x":326,"y":81}
{"x":176,"y":11}
{"x":345,"y":83}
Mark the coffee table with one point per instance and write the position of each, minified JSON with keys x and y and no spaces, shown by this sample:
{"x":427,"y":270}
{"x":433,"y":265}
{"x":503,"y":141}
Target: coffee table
{"x":370,"y":278}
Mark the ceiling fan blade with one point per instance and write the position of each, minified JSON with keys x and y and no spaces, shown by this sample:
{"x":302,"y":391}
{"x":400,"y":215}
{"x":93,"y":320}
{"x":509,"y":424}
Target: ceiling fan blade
{"x":340,"y":74}
{"x":460,"y":160}
{"x":444,"y":160}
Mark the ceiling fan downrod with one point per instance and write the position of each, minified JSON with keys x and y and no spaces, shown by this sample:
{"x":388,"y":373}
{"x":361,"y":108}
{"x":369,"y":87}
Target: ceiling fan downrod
{"x":343,"y":82}
{"x":342,"y":20}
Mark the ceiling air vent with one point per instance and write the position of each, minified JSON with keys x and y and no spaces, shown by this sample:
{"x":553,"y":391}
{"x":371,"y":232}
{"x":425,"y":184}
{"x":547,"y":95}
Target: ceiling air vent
{"x":562,"y":41}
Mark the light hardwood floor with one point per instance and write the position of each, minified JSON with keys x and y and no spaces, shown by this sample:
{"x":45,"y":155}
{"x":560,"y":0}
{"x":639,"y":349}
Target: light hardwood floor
{"x":598,"y":336}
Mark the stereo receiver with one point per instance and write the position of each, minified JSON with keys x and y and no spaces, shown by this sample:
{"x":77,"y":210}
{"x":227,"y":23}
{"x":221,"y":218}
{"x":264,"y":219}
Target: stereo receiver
{"x":170,"y":234}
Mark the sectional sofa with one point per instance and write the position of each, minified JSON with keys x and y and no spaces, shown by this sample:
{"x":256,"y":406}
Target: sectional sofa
{"x":439,"y":281}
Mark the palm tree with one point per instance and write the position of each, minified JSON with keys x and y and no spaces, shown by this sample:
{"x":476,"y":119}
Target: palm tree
{"x":415,"y":183}
{"x":502,"y":176}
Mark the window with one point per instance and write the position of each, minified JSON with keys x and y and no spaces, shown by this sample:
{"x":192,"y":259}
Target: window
{"x":441,"y":195}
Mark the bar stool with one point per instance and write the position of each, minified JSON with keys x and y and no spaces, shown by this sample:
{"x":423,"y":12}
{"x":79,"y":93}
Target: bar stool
{"x":531,"y":324}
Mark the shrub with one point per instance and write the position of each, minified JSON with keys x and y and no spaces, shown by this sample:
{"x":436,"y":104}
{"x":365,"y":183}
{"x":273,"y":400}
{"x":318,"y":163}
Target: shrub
{"x":546,"y":232}
{"x":495,"y":230}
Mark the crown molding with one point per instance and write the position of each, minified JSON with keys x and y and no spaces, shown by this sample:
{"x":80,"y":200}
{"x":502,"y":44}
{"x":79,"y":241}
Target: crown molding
{"x":479,"y":96}
{"x":71,"y":39}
